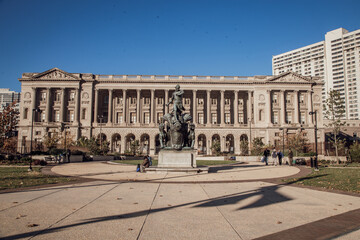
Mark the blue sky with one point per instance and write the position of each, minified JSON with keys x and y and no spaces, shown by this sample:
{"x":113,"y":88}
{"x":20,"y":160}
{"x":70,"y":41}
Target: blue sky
{"x":165,"y":37}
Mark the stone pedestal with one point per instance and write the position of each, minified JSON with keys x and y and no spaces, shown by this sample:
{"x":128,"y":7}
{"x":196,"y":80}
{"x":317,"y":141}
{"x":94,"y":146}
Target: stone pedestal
{"x":169,"y":158}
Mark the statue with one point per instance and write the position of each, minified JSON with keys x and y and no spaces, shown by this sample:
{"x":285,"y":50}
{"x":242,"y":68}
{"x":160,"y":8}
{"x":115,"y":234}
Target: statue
{"x":177,"y":135}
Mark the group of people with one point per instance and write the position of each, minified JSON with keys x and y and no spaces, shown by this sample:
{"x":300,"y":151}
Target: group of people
{"x":276,"y":156}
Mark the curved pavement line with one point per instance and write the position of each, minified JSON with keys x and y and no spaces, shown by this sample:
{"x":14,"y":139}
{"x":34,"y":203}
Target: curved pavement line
{"x":249,"y":172}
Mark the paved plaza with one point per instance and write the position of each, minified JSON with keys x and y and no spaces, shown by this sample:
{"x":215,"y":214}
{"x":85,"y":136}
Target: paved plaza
{"x":239,"y":201}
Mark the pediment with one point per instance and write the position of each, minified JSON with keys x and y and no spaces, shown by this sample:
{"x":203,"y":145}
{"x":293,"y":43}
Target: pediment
{"x":291,"y":77}
{"x":56,"y":74}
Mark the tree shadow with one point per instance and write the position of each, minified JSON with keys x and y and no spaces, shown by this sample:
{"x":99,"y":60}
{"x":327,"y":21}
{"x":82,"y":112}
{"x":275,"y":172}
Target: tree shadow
{"x":215,"y":169}
{"x":268,"y":196}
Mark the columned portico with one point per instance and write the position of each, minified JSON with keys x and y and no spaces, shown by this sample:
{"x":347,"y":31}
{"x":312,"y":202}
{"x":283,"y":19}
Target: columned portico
{"x":133,"y":109}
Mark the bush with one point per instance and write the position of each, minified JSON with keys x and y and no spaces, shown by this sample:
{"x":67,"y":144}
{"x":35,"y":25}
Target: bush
{"x":2,"y":157}
{"x":40,"y":162}
{"x":25,"y":159}
{"x":308,"y":154}
{"x":355,"y":152}
{"x":10,"y":157}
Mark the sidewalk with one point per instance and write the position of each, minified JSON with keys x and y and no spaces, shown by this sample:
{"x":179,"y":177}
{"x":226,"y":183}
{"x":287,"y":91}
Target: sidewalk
{"x":230,"y":203}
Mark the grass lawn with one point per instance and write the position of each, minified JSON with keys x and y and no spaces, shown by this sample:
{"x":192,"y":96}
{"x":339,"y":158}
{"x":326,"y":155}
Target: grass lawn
{"x":17,"y":177}
{"x":198,"y":162}
{"x":345,"y":179}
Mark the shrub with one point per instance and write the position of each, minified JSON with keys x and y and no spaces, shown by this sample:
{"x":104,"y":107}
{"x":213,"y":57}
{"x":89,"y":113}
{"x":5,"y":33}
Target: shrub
{"x":56,"y":151}
{"x":25,"y":159}
{"x":10,"y":157}
{"x":355,"y":152}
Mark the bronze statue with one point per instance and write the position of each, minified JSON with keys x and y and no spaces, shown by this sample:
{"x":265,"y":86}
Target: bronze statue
{"x":177,"y":134}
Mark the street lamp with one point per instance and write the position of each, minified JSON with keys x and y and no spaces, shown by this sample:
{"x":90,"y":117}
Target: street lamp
{"x":65,"y":133}
{"x":249,"y":120}
{"x":283,"y":137}
{"x":101,"y":119}
{"x":34,"y":111}
{"x":316,"y":146}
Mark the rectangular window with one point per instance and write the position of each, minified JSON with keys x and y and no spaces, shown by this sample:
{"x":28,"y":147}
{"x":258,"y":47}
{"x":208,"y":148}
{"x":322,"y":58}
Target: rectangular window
{"x":200,"y":101}
{"x":72,"y":96}
{"x":288,"y":98}
{"x":146,"y":100}
{"x":57,"y":96}
{"x":302,"y":98}
{"x":214,"y":118}
{"x":187,"y":101}
{"x":160,"y":101}
{"x":119,"y":117}
{"x":288,"y":117}
{"x":275,"y":98}
{"x":132,"y":117}
{"x":26,"y":112}
{"x":227,"y":118}
{"x":227,"y":101}
{"x":71,"y":116}
{"x":302,"y":118}
{"x":241,"y":118}
{"x":159,"y":117}
{"x":276,"y":118}
{"x":146,"y":118}
{"x":201,"y":118}
{"x":83,"y":114}
{"x":119,"y":100}
{"x":241,"y":102}
{"x":213,"y":101}
{"x":43,"y":96}
{"x":132,"y":100}
{"x":43,"y":116}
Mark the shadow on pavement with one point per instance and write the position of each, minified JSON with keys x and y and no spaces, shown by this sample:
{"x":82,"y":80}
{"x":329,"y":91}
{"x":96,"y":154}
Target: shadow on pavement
{"x":269,"y":195}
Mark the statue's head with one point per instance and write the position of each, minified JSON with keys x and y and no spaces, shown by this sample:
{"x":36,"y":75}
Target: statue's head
{"x":177,"y":87}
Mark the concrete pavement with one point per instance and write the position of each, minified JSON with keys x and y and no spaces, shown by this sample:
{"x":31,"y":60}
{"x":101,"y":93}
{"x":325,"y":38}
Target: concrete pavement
{"x":230,"y":203}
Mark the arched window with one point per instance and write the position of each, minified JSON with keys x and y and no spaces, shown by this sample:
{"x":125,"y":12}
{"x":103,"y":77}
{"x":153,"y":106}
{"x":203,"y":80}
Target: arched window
{"x":26,"y":112}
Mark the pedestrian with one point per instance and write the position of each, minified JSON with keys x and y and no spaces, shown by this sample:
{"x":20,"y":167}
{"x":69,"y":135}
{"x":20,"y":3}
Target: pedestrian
{"x":266,"y":155}
{"x":68,"y":153}
{"x":150,"y":160}
{"x":145,"y":164}
{"x":291,"y":155}
{"x":280,"y":156}
{"x":274,"y":156}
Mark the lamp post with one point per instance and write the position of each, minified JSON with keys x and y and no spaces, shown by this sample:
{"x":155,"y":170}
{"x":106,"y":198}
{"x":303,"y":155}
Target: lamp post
{"x":249,"y":120}
{"x":283,"y":138}
{"x":101,"y":119}
{"x":34,"y":111}
{"x":316,"y":145}
{"x":65,"y":133}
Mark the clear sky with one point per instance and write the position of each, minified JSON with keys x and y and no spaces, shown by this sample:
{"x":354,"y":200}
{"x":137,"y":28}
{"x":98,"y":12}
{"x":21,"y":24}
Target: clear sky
{"x":165,"y":37}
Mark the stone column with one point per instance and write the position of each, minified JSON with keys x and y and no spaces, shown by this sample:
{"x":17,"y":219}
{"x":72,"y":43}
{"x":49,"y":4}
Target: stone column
{"x":296,"y":106}
{"x":194,"y":107}
{"x":48,"y":107}
{"x":236,"y":108}
{"x":222,"y":111}
{"x":152,"y":145}
{"x":152,"y":108}
{"x":249,"y":108}
{"x":138,"y":106}
{"x":124,"y":109}
{"x":77,"y":106}
{"x":110,"y":106}
{"x":166,"y":101}
{"x":283,"y":107}
{"x":310,"y":107}
{"x":63,"y":93}
{"x":96,"y":110}
{"x":269,"y":107}
{"x":208,"y":108}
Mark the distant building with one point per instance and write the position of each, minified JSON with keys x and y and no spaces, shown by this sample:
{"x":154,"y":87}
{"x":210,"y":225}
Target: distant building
{"x":336,"y":60}
{"x":8,"y":97}
{"x":124,"y":108}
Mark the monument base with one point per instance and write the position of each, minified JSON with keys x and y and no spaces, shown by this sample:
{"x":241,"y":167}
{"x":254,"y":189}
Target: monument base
{"x":170,"y":158}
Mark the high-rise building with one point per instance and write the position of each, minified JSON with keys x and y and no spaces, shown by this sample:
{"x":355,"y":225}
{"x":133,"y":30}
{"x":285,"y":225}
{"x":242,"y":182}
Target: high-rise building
{"x":336,"y":60}
{"x":8,"y":97}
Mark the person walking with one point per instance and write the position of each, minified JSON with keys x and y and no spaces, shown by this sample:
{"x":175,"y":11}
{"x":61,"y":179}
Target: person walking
{"x":266,"y":155}
{"x":280,"y":156}
{"x":291,"y":155}
{"x":274,"y":157}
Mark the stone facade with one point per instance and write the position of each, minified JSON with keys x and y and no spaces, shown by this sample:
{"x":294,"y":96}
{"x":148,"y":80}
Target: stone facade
{"x":123,"y":108}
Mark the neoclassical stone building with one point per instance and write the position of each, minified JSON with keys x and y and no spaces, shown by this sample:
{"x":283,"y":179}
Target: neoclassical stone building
{"x":123,"y":108}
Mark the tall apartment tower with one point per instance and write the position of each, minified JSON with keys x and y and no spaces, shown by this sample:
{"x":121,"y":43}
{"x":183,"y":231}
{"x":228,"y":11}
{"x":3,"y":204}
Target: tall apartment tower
{"x":336,"y":60}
